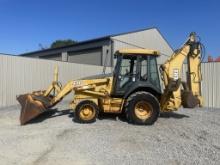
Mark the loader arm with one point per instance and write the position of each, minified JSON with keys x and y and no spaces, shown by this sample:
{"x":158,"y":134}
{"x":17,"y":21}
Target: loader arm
{"x":173,"y":97}
{"x":35,"y":103}
{"x":86,"y":86}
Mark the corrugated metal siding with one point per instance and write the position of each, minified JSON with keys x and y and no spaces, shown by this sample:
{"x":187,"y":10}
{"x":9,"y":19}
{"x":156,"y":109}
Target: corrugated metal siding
{"x":210,"y":83}
{"x":149,"y":39}
{"x":21,"y":75}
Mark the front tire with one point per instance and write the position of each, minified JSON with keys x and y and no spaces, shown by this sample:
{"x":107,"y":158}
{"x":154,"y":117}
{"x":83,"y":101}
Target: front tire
{"x":86,"y":112}
{"x":142,"y":108}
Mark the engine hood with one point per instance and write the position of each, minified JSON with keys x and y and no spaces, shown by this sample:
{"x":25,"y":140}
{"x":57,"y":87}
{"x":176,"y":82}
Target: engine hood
{"x":99,"y":76}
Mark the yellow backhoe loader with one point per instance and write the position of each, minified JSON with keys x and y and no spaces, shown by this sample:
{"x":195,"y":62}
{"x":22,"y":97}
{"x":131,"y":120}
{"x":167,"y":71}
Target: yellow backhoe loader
{"x":133,"y":88}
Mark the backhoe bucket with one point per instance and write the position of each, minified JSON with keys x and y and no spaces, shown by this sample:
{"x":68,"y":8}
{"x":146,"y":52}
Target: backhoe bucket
{"x":31,"y":107}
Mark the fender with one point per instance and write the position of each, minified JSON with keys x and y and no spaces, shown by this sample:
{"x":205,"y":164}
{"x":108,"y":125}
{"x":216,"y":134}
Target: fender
{"x":143,"y":87}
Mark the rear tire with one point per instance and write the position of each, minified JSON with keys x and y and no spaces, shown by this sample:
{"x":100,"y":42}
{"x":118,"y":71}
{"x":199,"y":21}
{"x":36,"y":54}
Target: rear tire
{"x":142,"y":108}
{"x":86,"y":112}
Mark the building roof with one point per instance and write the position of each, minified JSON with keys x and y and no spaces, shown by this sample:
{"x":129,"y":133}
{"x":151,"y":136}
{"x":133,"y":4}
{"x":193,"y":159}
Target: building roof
{"x":6,"y":54}
{"x":108,"y":37}
{"x":63,"y":47}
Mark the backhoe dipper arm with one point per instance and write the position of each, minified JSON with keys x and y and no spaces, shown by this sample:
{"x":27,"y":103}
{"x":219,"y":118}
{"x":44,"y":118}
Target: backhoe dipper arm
{"x":194,"y":76}
{"x":173,"y":97}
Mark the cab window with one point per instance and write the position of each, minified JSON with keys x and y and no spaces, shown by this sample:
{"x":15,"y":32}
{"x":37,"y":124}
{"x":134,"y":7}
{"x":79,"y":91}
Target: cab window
{"x":128,"y":66}
{"x":144,"y":72}
{"x":128,"y":71}
{"x":154,"y":77}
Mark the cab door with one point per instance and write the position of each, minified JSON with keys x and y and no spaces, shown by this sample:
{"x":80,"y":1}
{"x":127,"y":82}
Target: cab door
{"x":127,"y":74}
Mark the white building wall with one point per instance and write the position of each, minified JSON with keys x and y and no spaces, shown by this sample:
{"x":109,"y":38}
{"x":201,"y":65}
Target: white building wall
{"x":148,"y":39}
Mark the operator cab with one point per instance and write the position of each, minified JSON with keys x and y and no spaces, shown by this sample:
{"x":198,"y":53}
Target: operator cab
{"x":135,"y":68}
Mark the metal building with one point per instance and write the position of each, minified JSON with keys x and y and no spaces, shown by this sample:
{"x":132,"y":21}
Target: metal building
{"x":95,"y":51}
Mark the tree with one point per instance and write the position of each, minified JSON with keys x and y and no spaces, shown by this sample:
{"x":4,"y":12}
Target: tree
{"x":61,"y":43}
{"x":42,"y":47}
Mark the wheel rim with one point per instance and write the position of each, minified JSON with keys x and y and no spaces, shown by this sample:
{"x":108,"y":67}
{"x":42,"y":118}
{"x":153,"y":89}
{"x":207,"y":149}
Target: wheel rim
{"x":143,"y":110}
{"x":87,"y":112}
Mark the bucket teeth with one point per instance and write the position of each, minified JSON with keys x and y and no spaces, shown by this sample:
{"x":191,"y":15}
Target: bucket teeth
{"x":31,"y":107}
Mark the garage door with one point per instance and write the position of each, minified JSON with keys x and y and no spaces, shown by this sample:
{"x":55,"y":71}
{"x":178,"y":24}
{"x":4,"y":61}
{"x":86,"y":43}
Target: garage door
{"x":93,"y":57}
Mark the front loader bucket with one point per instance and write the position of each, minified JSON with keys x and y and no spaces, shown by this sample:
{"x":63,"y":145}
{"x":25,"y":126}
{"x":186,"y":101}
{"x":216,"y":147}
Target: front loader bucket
{"x":31,"y":107}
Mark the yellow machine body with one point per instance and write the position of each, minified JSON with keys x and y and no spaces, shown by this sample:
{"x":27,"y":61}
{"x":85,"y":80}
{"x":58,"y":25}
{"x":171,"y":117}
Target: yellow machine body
{"x":143,"y":104}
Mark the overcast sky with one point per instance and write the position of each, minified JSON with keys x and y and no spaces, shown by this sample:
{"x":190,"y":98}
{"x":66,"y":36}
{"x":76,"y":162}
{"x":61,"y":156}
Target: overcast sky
{"x":24,"y":24}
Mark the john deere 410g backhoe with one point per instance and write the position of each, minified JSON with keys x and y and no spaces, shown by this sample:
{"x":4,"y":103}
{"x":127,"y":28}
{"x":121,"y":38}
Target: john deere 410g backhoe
{"x":133,"y":88}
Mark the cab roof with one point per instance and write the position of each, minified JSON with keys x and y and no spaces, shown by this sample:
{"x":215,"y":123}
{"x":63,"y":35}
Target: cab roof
{"x":138,"y":52}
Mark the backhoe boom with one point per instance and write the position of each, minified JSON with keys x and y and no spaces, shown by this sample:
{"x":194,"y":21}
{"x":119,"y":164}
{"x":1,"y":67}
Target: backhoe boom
{"x":171,"y":73}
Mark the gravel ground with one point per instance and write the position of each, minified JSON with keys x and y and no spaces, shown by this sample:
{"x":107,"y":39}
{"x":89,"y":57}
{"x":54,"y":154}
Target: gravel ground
{"x":189,"y":136}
